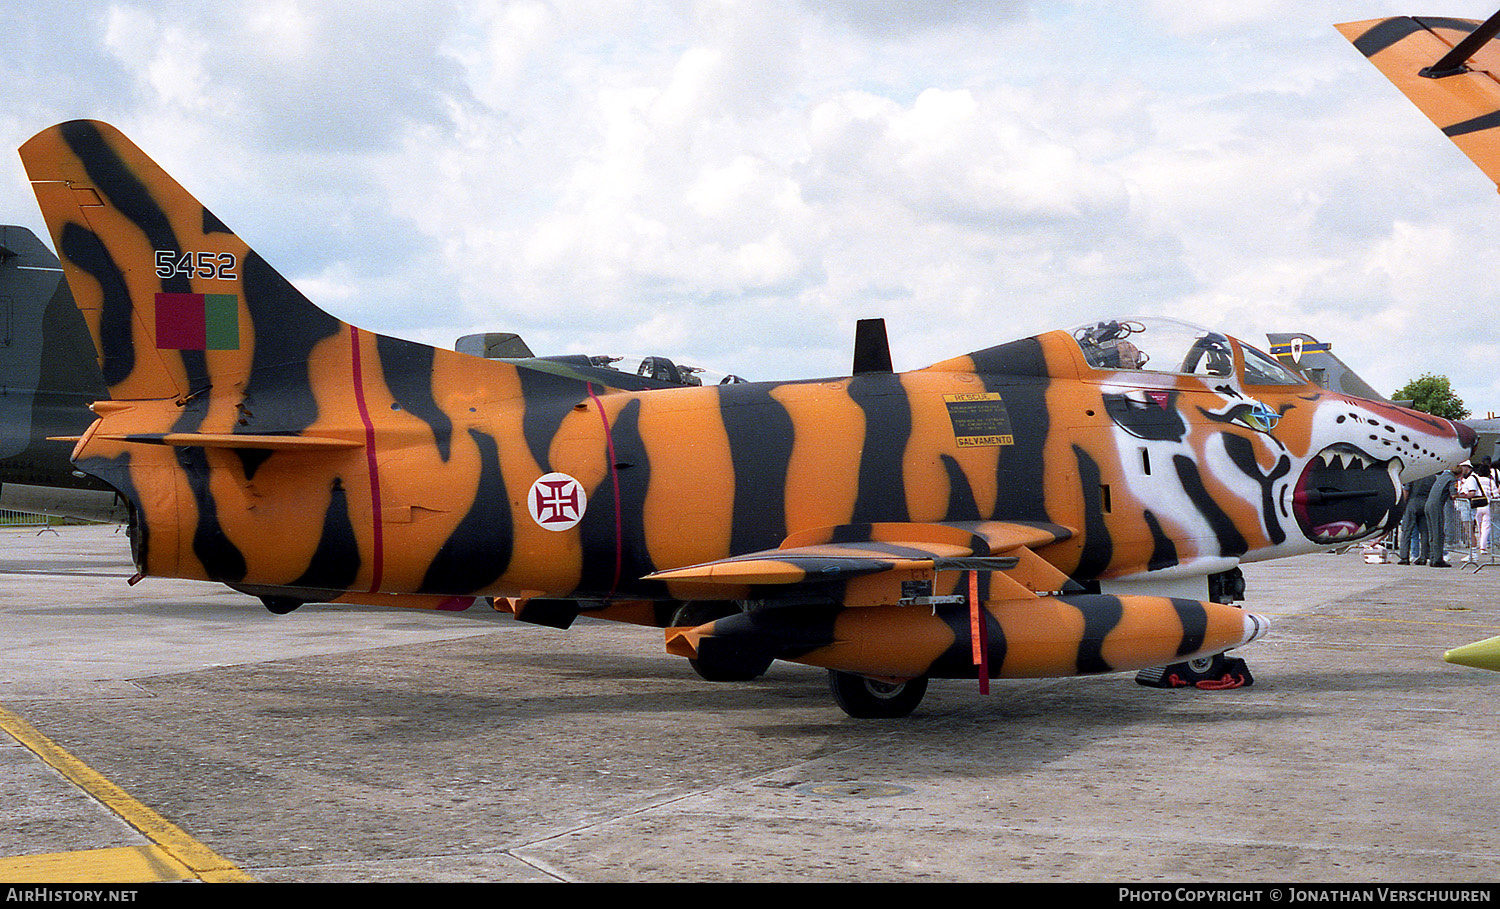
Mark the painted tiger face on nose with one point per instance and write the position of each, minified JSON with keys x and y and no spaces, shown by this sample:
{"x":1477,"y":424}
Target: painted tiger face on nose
{"x":1351,"y":486}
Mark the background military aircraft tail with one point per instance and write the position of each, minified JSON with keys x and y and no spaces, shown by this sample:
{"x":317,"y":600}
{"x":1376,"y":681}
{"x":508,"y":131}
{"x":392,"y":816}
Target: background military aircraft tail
{"x":49,"y":375}
{"x":1315,"y":359}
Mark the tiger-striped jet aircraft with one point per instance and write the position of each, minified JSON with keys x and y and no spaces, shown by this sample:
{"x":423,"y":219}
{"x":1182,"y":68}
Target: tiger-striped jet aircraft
{"x":1069,"y":503}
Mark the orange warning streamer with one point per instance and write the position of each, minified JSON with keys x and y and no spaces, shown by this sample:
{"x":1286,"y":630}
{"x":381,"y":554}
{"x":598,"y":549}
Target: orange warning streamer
{"x":979,"y":634}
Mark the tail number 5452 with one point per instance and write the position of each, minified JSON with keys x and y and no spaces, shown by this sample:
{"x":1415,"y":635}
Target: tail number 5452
{"x":208,"y":265}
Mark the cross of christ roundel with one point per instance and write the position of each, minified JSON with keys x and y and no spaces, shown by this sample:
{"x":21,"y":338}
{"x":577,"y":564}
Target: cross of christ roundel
{"x":557,"y":501}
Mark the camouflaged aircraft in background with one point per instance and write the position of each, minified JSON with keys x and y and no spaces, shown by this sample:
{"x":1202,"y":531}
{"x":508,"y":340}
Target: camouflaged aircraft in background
{"x":1064,"y":504}
{"x":621,"y":373}
{"x":49,"y":375}
{"x":1316,"y":361}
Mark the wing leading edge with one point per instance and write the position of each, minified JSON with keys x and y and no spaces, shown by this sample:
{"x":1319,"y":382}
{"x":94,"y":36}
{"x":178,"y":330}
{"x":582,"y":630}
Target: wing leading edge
{"x":889,"y":553}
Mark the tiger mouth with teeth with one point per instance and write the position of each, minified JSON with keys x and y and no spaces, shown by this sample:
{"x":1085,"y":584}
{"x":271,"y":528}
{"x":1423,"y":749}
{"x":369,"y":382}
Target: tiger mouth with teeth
{"x":1344,"y":494}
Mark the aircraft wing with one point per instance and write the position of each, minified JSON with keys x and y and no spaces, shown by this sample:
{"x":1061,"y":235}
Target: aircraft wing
{"x":231,"y":440}
{"x":1447,"y":68}
{"x":848,"y":551}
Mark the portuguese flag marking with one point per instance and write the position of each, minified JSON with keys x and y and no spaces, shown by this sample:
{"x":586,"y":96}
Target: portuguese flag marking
{"x":197,"y":322}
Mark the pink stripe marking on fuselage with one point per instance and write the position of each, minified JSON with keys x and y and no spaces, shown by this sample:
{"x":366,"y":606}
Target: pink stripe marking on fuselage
{"x":378,"y":543}
{"x":614,"y":475}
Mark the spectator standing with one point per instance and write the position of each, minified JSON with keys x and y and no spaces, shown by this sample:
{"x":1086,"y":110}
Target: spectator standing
{"x":1414,"y":521}
{"x":1481,"y":489}
{"x":1438,"y":498}
{"x":1461,"y":505}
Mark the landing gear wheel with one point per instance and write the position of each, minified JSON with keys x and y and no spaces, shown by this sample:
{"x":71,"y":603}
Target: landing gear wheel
{"x":865,"y":698}
{"x":1209,"y":673}
{"x":721,"y":666}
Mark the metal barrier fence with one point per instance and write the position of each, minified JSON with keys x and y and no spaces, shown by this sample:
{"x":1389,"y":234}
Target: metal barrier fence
{"x":10,"y":518}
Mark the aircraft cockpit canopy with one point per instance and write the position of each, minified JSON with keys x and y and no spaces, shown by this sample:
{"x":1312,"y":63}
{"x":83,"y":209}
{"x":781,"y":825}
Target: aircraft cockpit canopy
{"x":626,"y":373}
{"x":1152,"y":344}
{"x":664,"y":370}
{"x":1262,"y":369}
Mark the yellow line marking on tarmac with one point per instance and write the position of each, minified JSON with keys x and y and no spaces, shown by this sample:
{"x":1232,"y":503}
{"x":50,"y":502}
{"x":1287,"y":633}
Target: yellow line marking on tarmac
{"x":1358,"y":618}
{"x":176,"y":854}
{"x":123,"y":864}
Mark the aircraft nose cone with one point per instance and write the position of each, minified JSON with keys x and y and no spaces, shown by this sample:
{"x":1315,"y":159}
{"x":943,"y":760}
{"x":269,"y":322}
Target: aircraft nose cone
{"x":1467,"y":437}
{"x":1255,"y":626}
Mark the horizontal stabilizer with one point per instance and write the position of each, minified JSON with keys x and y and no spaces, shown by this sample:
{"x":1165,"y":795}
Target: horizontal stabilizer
{"x":1461,"y":97}
{"x":232,"y":440}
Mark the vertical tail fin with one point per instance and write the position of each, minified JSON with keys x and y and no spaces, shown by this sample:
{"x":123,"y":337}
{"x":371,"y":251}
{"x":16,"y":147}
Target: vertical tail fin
{"x":260,"y":441}
{"x":47,"y":359}
{"x":1316,"y":360}
{"x":175,"y":301}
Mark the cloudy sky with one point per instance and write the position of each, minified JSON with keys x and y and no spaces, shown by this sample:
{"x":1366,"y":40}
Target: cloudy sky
{"x":733,"y":184}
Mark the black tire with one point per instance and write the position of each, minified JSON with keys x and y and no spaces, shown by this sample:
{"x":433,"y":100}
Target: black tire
{"x":866,"y":698}
{"x":722,"y":666}
{"x":1209,"y":667}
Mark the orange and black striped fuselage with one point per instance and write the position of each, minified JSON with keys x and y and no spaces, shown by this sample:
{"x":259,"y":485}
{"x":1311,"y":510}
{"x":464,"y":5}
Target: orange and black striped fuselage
{"x":441,"y":489}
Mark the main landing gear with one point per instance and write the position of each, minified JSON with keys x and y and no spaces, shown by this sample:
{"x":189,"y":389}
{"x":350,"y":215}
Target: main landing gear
{"x":280,"y":605}
{"x":866,"y":698}
{"x":858,"y":695}
{"x":1210,"y":673}
{"x":725,"y":665}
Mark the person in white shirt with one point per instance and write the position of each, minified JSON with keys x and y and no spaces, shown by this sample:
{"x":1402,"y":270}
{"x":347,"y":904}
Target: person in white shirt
{"x":1479,"y":488}
{"x":1461,"y":506}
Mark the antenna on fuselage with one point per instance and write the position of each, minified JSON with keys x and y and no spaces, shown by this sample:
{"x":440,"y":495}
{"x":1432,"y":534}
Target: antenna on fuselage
{"x":872,"y":350}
